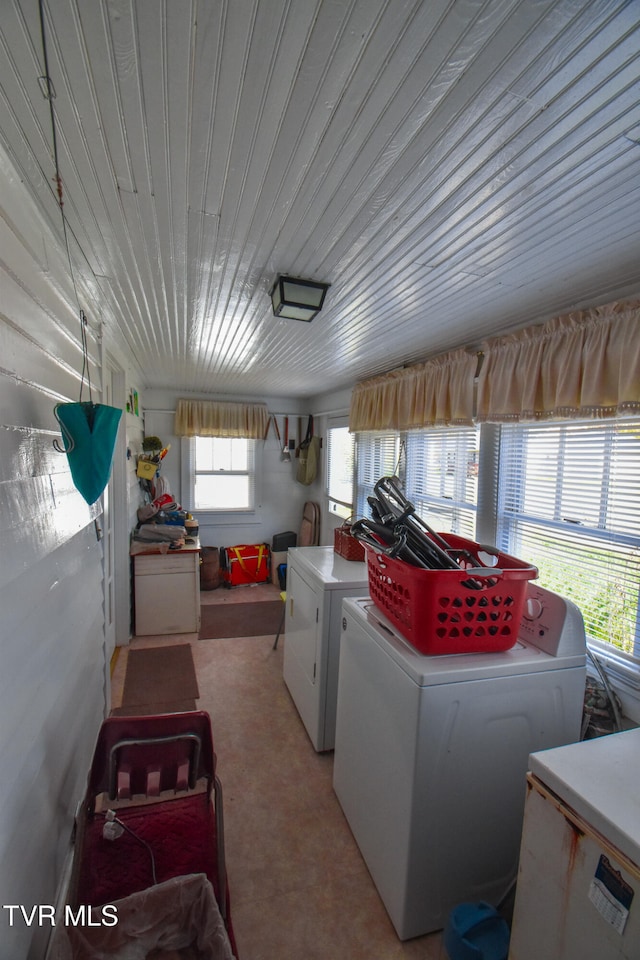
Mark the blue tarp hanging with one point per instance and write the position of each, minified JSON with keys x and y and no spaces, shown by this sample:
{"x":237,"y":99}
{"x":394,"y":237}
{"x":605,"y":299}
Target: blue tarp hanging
{"x":89,"y":432}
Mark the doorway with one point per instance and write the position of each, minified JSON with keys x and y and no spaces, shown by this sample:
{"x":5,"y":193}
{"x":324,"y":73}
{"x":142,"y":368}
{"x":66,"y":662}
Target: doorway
{"x":115,"y":555}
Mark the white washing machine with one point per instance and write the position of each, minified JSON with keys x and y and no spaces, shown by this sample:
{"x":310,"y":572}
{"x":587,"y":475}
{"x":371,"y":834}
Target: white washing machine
{"x":431,"y":753}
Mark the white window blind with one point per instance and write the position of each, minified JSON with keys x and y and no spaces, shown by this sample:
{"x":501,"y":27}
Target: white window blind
{"x":221,"y":474}
{"x":340,"y":470}
{"x":441,"y":478}
{"x":568,"y":502}
{"x":377,"y":456}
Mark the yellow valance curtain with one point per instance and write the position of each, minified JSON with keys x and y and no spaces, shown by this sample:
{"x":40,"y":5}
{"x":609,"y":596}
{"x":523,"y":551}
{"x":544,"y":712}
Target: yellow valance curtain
{"x":212,"y":418}
{"x":581,"y":365}
{"x":438,"y":392}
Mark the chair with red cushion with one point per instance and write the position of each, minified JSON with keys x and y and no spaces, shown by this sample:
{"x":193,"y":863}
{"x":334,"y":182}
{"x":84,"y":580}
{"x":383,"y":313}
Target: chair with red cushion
{"x":152,"y":810}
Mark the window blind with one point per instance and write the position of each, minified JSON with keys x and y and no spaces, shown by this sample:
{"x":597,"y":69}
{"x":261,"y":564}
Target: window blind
{"x":377,"y":456}
{"x":442,"y":478}
{"x":568,"y":502}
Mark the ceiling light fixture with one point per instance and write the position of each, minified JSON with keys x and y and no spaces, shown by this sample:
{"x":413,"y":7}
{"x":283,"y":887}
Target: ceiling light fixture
{"x":297,"y":299}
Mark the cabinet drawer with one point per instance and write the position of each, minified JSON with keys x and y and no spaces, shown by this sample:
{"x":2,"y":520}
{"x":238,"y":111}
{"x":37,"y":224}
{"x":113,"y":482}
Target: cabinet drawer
{"x":165,"y":563}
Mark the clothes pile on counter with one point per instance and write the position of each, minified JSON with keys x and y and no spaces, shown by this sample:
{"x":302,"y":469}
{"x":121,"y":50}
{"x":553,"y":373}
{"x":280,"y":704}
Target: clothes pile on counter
{"x":161,"y":520}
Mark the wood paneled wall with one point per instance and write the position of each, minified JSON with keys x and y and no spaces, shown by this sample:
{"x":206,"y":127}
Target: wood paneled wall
{"x":52,"y":663}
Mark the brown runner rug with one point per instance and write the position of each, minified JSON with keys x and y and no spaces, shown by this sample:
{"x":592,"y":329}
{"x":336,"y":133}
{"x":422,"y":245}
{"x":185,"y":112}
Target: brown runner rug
{"x":254,"y":619}
{"x":159,"y":680}
{"x":152,"y":709}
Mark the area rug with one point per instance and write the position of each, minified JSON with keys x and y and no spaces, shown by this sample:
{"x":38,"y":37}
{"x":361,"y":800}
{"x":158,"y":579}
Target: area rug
{"x":147,"y":709}
{"x":255,"y":619}
{"x":159,"y":680}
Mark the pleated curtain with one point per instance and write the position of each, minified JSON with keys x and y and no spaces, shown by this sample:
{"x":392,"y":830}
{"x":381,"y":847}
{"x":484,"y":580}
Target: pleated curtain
{"x":213,"y":418}
{"x":438,"y":392}
{"x":581,"y":365}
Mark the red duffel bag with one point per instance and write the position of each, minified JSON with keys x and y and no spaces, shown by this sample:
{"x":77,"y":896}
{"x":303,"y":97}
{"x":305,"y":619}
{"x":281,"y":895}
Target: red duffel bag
{"x":246,"y":563}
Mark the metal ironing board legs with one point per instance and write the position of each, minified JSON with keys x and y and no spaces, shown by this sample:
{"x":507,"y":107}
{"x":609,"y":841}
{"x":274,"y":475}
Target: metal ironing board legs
{"x":283,"y":597}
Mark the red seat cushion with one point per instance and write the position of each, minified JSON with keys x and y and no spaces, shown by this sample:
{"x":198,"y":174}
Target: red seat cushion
{"x":181,"y":833}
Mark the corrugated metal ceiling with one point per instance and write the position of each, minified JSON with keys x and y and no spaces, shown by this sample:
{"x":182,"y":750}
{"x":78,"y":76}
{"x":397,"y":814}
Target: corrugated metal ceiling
{"x":453,"y":168}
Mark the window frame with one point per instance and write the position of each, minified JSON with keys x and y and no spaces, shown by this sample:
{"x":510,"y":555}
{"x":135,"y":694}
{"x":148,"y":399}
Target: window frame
{"x":335,"y":507}
{"x":596,"y":536}
{"x":222,"y":515}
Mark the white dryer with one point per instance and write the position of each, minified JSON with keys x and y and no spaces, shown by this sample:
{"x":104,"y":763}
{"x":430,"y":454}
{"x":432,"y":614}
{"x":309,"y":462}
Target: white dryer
{"x":431,"y":753}
{"x":317,"y":581}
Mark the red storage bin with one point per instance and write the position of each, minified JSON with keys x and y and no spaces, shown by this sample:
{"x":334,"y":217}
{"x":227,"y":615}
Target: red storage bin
{"x":438,"y":614}
{"x":246,"y":563}
{"x":346,"y":545}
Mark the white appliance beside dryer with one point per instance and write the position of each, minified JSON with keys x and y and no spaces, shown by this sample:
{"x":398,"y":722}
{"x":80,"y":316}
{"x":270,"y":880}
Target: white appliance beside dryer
{"x":579,"y":870}
{"x":431,"y":753}
{"x":317,"y":581}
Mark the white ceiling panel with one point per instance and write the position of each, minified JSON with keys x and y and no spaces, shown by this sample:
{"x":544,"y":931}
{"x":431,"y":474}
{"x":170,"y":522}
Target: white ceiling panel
{"x":454,"y":169}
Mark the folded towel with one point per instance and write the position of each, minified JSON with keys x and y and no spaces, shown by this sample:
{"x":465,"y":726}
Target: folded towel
{"x":158,"y":532}
{"x":146,"y":512}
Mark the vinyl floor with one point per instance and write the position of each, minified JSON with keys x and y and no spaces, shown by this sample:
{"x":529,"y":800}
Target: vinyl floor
{"x":299,"y":887}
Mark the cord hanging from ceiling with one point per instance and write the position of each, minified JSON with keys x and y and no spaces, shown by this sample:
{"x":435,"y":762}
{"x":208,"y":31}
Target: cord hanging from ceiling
{"x":88,"y":429}
{"x":49,"y":93}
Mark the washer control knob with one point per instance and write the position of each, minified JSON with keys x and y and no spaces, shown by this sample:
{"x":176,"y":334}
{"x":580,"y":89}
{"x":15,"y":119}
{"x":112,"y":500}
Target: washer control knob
{"x":533,"y":608}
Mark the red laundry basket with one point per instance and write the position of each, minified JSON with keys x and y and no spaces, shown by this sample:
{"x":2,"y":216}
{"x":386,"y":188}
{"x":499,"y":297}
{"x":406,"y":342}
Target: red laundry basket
{"x":438,"y":612}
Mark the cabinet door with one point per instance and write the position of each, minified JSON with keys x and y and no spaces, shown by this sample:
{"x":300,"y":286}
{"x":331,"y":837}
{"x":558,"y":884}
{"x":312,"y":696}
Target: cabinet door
{"x":167,"y":594}
{"x":303,"y":624}
{"x":583,"y":886}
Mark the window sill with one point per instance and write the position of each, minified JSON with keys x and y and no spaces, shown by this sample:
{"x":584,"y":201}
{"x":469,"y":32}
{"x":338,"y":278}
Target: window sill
{"x":227,"y":517}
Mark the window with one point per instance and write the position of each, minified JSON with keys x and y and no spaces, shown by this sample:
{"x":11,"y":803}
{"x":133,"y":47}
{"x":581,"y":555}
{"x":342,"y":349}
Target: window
{"x":377,"y":456}
{"x":568,"y":502}
{"x":340,"y":470}
{"x":222,"y":474}
{"x":441,"y":478}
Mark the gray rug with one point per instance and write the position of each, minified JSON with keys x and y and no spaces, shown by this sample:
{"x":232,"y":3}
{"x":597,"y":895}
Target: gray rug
{"x":255,"y":619}
{"x":159,"y":680}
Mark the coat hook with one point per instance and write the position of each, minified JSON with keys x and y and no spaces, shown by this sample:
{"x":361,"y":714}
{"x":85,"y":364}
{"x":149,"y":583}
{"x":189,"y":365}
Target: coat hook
{"x":69,"y":442}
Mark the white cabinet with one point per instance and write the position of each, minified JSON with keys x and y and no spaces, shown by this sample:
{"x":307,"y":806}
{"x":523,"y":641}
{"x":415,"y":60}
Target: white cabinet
{"x":317,"y":581}
{"x":167,"y":592}
{"x":578,"y":892}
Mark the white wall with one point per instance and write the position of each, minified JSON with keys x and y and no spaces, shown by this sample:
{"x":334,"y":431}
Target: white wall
{"x":281,"y":497}
{"x":52,"y":673}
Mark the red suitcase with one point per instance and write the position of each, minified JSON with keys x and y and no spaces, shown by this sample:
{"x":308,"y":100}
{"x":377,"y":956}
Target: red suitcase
{"x":246,"y":563}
